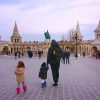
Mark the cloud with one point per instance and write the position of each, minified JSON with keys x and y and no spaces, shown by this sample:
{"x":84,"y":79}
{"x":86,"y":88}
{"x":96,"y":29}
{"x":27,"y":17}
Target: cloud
{"x":58,"y":16}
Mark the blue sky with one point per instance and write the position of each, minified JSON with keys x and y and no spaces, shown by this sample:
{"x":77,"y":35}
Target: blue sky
{"x":34,"y":17}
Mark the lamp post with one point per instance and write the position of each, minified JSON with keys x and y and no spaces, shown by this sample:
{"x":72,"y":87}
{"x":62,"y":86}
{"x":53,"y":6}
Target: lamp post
{"x":76,"y":55}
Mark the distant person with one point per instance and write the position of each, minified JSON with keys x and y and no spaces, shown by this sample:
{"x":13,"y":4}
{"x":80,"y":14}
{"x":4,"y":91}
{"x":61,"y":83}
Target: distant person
{"x":83,"y":54}
{"x":19,"y":54}
{"x":30,"y":54}
{"x":67,"y":56}
{"x":76,"y":55}
{"x":53,"y":58}
{"x":22,"y":54}
{"x":97,"y":54}
{"x":43,"y":74}
{"x":39,"y":53}
{"x":15,"y":55}
{"x":35,"y":53}
{"x":63,"y":56}
{"x":20,"y":78}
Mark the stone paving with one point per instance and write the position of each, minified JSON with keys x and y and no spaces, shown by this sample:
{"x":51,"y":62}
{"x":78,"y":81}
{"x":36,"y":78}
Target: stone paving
{"x":79,"y":80}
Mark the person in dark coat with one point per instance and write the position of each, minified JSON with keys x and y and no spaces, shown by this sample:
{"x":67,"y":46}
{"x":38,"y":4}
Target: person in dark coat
{"x":83,"y":54}
{"x":67,"y":55}
{"x":55,"y":64}
{"x":63,"y":56}
{"x":30,"y":54}
{"x":15,"y":55}
{"x":43,"y":74}
{"x":39,"y":53}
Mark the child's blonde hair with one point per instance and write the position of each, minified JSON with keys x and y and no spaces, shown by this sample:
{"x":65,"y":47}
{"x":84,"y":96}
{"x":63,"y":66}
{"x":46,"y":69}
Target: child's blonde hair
{"x":21,"y":64}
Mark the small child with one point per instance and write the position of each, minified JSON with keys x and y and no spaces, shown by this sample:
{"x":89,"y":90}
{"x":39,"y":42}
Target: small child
{"x":43,"y":74}
{"x":19,"y":72}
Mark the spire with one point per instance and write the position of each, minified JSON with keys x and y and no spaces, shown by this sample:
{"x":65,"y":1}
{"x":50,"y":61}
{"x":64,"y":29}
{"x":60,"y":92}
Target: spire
{"x":78,"y":29}
{"x":98,"y":27}
{"x":78,"y":32}
{"x":97,"y":32}
{"x":15,"y":31}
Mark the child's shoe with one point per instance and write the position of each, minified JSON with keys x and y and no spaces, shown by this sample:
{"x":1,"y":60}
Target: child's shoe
{"x":42,"y":84}
{"x":24,"y":88}
{"x":18,"y":90}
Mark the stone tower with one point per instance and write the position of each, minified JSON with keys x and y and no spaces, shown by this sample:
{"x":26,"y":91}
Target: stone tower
{"x":16,"y":38}
{"x":97,"y":32}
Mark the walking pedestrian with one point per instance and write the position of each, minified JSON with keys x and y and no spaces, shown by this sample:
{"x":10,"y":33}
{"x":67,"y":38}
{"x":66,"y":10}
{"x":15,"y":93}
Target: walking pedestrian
{"x":53,"y":58}
{"x":63,"y":56}
{"x":67,"y":56}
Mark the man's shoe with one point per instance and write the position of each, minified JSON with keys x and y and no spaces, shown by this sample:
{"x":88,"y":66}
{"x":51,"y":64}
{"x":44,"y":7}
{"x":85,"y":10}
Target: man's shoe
{"x":54,"y":84}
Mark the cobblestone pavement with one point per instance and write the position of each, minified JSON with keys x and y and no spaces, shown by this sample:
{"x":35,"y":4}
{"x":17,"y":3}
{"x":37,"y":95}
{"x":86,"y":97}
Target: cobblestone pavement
{"x":79,"y":80}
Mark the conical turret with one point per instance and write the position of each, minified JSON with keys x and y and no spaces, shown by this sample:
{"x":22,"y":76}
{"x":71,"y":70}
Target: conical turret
{"x":97,"y":31}
{"x":78,"y":29}
{"x":98,"y":27}
{"x":15,"y":36}
{"x":15,"y":31}
{"x":78,"y":32}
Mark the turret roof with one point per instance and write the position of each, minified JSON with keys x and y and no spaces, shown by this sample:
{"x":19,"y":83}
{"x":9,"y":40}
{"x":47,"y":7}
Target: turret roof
{"x":78,"y":29}
{"x":98,"y":27}
{"x":15,"y":31}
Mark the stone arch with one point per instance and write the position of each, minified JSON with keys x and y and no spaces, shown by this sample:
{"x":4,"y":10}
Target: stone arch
{"x":5,"y":50}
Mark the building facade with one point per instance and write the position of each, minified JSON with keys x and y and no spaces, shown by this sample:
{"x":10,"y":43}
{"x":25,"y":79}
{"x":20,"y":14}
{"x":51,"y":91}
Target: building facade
{"x":75,"y":43}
